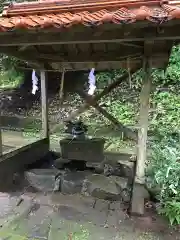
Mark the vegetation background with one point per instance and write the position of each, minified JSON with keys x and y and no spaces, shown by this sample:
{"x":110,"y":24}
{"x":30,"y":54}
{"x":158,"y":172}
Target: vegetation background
{"x":163,"y":164}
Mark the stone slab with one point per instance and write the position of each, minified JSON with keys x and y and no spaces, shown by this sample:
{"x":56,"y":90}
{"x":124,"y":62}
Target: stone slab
{"x":102,"y":187}
{"x":65,"y":229}
{"x":42,"y":179}
{"x":102,"y":205}
{"x":116,"y":215}
{"x":35,"y":225}
{"x":72,"y":182}
{"x":72,"y":200}
{"x":14,"y":207}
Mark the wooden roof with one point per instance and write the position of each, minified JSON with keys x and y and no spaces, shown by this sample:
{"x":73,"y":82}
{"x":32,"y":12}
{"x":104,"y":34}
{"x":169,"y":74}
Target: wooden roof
{"x":81,"y":34}
{"x":66,"y":13}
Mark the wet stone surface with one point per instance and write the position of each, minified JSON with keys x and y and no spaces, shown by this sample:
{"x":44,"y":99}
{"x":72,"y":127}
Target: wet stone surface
{"x":35,"y":224}
{"x":84,"y":182}
{"x":7,"y":204}
{"x":72,"y":217}
{"x":102,"y":187}
{"x":72,"y":182}
{"x":42,"y":179}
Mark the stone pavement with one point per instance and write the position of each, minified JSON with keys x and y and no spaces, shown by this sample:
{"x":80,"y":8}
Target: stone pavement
{"x":64,"y":217}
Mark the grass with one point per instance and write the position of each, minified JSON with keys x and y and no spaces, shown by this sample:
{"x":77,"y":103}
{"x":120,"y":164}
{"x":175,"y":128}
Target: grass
{"x":108,"y":132}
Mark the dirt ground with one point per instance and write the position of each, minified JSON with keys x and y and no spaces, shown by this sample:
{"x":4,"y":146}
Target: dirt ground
{"x":56,"y":216}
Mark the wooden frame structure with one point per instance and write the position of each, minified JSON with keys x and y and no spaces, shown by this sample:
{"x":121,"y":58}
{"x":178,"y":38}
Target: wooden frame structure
{"x":69,"y":35}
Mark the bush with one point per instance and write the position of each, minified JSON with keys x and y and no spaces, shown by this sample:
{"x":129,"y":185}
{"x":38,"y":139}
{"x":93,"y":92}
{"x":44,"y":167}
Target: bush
{"x":164,"y":175}
{"x":10,"y":78}
{"x":166,"y":117}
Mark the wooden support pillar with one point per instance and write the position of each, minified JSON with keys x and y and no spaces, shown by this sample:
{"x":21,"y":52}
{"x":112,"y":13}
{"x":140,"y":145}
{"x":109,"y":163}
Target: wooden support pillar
{"x":44,"y":102}
{"x":137,"y":204}
{"x":61,"y":87}
{"x":1,"y":143}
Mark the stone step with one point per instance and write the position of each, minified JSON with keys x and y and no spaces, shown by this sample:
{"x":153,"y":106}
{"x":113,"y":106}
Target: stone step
{"x":119,"y":168}
{"x":42,"y":179}
{"x":121,"y":155}
{"x":82,"y":182}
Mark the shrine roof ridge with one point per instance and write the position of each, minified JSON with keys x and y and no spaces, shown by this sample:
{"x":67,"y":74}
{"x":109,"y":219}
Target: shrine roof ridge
{"x":66,"y":13}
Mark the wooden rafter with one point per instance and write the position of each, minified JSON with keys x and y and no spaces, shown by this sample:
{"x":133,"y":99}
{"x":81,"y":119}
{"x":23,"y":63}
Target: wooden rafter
{"x":126,"y":132}
{"x":106,"y":90}
{"x":132,"y":34}
{"x":67,"y":57}
{"x":93,"y":101}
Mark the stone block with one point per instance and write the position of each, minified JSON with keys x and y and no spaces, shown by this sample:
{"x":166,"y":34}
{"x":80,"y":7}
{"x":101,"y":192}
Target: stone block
{"x":72,"y":182}
{"x":127,"y":168}
{"x":137,"y":201}
{"x":42,"y":179}
{"x":102,"y":187}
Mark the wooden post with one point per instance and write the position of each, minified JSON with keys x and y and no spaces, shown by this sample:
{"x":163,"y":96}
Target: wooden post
{"x":137,"y":204}
{"x":44,"y":102}
{"x":1,"y":144}
{"x":61,"y":87}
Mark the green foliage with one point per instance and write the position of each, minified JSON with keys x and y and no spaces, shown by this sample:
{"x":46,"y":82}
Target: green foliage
{"x":164,"y":174}
{"x":171,"y":210}
{"x":123,"y":112}
{"x":172,"y":74}
{"x":10,"y":78}
{"x":165,"y":118}
{"x":103,"y":78}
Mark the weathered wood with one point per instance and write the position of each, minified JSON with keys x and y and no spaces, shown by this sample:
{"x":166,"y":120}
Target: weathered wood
{"x":19,"y":159}
{"x":138,"y":198}
{"x":126,"y":132}
{"x":106,"y":90}
{"x":61,"y":87}
{"x":113,"y":56}
{"x":133,"y":33}
{"x":1,"y":142}
{"x":44,"y":102}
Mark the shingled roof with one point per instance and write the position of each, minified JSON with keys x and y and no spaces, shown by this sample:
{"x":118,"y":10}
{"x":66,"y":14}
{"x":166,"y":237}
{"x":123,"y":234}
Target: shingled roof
{"x":66,"y":13}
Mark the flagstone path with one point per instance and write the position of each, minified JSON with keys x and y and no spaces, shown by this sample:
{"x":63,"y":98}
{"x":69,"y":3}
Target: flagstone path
{"x":56,"y":216}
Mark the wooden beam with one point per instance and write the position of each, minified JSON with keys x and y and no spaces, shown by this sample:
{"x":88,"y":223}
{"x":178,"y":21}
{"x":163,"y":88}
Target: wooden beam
{"x":61,"y":87}
{"x":83,"y":35}
{"x":90,"y":35}
{"x":106,"y":90}
{"x":44,"y":102}
{"x":114,"y":56}
{"x":138,"y":188}
{"x":126,"y":132}
{"x":1,"y":142}
{"x":131,"y":45}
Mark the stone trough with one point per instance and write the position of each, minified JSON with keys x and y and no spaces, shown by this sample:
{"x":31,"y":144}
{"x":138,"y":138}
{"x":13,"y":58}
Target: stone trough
{"x":84,"y":168}
{"x":111,"y":188}
{"x":110,"y":179}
